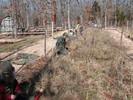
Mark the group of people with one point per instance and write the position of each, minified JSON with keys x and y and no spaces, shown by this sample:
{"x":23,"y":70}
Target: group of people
{"x":9,"y":86}
{"x":61,"y":42}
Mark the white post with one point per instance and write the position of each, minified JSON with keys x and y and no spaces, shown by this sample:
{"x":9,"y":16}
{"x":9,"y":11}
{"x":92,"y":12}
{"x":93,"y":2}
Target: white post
{"x":52,"y":29}
{"x":53,"y":26}
{"x":45,"y":42}
{"x":45,"y":28}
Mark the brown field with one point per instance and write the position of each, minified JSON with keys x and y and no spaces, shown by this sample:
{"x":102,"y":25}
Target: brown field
{"x":96,"y":68}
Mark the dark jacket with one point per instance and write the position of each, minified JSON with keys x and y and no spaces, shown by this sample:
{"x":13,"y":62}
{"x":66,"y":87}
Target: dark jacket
{"x":6,"y":89}
{"x":61,"y":43}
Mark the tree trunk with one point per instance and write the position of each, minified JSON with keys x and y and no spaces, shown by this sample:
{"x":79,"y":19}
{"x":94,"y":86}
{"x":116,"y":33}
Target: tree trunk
{"x":15,"y":20}
{"x":105,"y":14}
{"x":127,"y":25}
{"x":15,"y":28}
{"x":69,"y":16}
{"x":28,"y":22}
{"x":132,"y":23}
{"x":121,"y":35}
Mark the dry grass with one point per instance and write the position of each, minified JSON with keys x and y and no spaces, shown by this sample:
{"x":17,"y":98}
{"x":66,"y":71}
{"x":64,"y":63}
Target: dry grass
{"x":27,"y":41}
{"x":96,"y":70}
{"x":127,"y":30}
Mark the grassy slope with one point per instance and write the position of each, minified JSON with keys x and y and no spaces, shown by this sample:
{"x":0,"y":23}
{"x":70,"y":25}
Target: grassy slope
{"x":11,"y":47}
{"x":95,"y":69}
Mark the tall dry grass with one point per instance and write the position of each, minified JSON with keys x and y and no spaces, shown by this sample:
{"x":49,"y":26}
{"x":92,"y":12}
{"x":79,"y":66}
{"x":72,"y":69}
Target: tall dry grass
{"x":97,"y":69}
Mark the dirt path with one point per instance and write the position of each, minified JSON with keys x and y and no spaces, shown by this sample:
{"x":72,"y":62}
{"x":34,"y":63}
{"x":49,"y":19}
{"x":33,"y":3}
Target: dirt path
{"x":38,"y":48}
{"x":126,"y":42}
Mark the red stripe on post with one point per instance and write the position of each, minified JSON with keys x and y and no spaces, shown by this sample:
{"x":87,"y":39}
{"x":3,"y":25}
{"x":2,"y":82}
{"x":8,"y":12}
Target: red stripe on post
{"x":53,"y":19}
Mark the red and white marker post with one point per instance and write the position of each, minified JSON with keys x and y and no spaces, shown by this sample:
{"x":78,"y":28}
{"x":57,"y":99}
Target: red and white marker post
{"x":52,"y":26}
